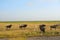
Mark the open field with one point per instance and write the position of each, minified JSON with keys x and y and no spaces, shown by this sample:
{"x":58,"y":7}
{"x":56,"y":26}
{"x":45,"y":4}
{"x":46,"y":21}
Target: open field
{"x":15,"y":33}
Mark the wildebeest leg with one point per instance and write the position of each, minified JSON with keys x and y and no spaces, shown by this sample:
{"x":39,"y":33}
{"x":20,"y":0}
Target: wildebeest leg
{"x":50,"y":28}
{"x":55,"y":28}
{"x":43,"y":31}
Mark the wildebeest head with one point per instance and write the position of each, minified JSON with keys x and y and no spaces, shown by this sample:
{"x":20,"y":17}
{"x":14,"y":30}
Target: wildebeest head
{"x":23,"y":26}
{"x":42,"y":27}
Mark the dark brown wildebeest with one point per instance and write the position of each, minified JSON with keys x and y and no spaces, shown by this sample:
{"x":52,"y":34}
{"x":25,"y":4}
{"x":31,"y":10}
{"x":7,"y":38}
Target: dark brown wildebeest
{"x":42,"y":28}
{"x":54,"y":26}
{"x":23,"y":26}
{"x":9,"y":26}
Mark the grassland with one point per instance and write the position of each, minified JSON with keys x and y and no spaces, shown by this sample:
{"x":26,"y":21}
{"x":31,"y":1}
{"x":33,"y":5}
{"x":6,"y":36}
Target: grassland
{"x":15,"y":33}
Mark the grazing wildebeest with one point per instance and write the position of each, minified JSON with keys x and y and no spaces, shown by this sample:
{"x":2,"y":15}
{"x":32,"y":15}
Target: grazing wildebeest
{"x":42,"y":28}
{"x":9,"y":26}
{"x":23,"y":26}
{"x":54,"y":26}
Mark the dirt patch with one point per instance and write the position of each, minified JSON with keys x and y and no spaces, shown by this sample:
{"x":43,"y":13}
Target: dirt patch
{"x":3,"y":38}
{"x":44,"y":38}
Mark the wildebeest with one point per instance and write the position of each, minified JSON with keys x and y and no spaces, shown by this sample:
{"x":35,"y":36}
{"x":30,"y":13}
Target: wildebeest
{"x":54,"y":26}
{"x":42,"y":28}
{"x":9,"y":26}
{"x":23,"y":26}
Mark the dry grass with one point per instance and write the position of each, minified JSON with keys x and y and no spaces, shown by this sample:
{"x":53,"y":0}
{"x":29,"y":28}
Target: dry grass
{"x":32,"y":30}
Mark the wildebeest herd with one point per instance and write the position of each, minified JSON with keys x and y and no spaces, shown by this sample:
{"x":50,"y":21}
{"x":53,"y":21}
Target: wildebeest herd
{"x":41,"y":27}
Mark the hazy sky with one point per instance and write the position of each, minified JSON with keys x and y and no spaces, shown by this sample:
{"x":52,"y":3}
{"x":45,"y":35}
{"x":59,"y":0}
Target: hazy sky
{"x":29,"y":10}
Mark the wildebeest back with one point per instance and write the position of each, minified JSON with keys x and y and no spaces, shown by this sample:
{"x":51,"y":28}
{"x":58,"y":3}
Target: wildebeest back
{"x":23,"y":26}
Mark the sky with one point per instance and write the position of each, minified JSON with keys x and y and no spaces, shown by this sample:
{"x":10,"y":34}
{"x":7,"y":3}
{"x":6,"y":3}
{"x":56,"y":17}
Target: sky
{"x":29,"y":10}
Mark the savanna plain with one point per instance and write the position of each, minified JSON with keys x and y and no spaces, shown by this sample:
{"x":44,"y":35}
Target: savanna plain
{"x":32,"y":30}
